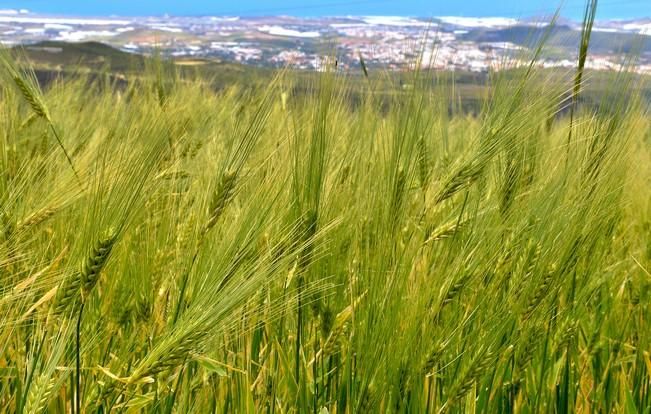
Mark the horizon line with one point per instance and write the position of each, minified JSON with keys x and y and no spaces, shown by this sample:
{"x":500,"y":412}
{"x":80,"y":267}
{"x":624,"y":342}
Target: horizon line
{"x":26,"y":13}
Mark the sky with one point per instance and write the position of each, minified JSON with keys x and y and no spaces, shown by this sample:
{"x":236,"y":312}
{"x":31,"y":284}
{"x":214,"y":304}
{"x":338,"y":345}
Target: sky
{"x":608,"y":9}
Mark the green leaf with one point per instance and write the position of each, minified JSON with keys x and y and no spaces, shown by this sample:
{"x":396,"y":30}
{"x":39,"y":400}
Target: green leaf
{"x":630,"y":403}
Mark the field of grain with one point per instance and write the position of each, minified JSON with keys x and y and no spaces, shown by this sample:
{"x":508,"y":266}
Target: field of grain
{"x":165,"y":248}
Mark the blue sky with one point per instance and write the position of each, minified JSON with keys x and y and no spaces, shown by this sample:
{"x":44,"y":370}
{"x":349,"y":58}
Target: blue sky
{"x":424,"y":8}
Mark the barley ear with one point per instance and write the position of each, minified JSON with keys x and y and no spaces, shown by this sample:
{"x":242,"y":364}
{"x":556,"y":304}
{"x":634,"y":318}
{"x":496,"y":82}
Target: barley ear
{"x":95,"y":261}
{"x":221,"y":198}
{"x":32,"y":97}
{"x":39,"y":394}
{"x":83,"y":281}
{"x":37,"y":218}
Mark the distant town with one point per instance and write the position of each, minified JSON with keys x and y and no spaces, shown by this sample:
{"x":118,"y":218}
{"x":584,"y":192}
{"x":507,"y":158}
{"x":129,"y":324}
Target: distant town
{"x":452,"y":43}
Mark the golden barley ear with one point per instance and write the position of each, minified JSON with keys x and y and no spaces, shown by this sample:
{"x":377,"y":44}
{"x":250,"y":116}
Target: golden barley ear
{"x":37,"y":217}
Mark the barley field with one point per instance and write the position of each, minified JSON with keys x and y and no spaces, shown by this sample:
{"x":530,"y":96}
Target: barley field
{"x":168,"y":248}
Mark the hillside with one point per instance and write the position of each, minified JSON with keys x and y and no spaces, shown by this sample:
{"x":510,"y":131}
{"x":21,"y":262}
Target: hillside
{"x":386,"y":42}
{"x":92,"y":55}
{"x":52,"y":59}
{"x":60,"y":59}
{"x":564,"y":39}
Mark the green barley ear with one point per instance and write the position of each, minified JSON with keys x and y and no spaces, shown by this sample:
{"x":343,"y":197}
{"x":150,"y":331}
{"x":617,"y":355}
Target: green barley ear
{"x":28,"y":122}
{"x":461,"y":179}
{"x":29,"y":90}
{"x":333,"y":342}
{"x":398,"y":196}
{"x":160,"y":92}
{"x":362,"y":63}
{"x":338,"y":329}
{"x":309,"y":224}
{"x":455,"y":288}
{"x":472,"y":375}
{"x":221,"y":198}
{"x":424,"y":162}
{"x":95,"y":261}
{"x":39,"y":394}
{"x":32,"y":97}
{"x":178,"y":349}
{"x":327,"y":320}
{"x":67,"y":294}
{"x":509,"y":188}
{"x":433,"y":357}
{"x":589,"y":17}
{"x":540,"y":293}
{"x":528,"y":344}
{"x":586,"y":30}
{"x":566,"y":335}
{"x":446,"y":231}
{"x":83,"y":281}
